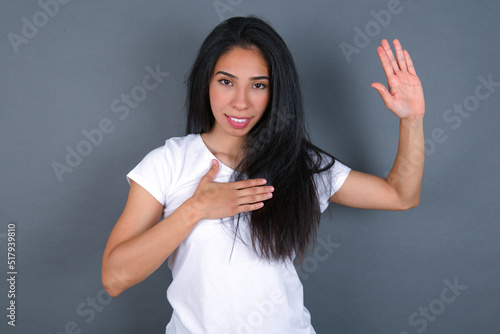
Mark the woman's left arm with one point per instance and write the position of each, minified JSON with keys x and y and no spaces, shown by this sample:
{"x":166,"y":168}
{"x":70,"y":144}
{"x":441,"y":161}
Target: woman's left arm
{"x":405,"y":98}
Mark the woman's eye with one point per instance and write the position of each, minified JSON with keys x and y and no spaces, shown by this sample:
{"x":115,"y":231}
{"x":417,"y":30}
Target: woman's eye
{"x":225,"y":82}
{"x":260,"y":86}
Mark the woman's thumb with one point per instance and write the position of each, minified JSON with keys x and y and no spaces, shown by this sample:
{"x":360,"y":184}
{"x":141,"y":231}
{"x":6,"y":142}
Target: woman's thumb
{"x":382,"y":90}
{"x":212,"y":172}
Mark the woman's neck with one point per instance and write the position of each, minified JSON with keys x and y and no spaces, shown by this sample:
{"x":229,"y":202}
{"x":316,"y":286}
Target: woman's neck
{"x":227,"y":149}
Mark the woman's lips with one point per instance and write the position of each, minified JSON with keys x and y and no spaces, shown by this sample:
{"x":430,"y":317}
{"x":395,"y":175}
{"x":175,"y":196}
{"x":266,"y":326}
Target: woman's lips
{"x":238,"y":122}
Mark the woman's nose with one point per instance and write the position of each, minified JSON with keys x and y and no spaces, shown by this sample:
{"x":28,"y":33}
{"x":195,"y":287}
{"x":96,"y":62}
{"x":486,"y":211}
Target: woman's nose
{"x":240,"y":100}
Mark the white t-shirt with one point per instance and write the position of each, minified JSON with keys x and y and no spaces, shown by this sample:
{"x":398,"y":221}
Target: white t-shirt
{"x":212,"y":292}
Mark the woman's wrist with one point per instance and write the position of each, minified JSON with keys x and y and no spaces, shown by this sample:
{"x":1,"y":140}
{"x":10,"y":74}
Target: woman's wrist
{"x":413,"y":120}
{"x":190,"y":213}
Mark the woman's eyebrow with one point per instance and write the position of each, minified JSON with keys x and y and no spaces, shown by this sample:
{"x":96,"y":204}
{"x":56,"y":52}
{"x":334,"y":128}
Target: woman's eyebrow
{"x":262,"y":77}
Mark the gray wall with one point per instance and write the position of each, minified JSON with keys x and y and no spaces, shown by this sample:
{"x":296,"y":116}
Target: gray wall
{"x":433,"y":269}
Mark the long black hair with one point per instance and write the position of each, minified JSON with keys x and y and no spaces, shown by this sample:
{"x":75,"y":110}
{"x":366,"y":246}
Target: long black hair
{"x":277,"y":147}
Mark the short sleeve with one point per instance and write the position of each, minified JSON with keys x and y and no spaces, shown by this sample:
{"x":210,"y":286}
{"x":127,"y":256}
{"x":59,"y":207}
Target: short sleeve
{"x":150,"y":174}
{"x":330,"y":181}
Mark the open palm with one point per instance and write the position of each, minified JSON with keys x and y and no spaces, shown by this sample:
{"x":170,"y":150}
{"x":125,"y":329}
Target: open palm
{"x":405,"y":97}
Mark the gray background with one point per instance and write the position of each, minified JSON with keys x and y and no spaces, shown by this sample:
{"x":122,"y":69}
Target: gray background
{"x":382,"y":267}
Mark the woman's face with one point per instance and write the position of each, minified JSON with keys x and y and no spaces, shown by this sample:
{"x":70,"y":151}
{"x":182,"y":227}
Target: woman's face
{"x":239,"y":91}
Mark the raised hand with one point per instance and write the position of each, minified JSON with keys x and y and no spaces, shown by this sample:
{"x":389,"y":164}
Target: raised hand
{"x":219,"y":200}
{"x":405,"y":97}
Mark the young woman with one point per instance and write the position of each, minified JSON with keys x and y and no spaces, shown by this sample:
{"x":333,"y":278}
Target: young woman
{"x":233,"y":203}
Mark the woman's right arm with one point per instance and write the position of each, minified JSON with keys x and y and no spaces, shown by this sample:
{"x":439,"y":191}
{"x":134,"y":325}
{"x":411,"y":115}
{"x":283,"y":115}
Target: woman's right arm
{"x":139,"y":244}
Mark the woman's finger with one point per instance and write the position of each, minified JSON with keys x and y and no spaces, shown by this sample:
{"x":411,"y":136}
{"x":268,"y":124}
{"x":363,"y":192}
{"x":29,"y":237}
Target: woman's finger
{"x":212,"y":172}
{"x":254,"y":199}
{"x":248,"y":183}
{"x":386,"y":63}
{"x":384,"y":93}
{"x":255,"y":191}
{"x":249,"y":207}
{"x":400,"y":55}
{"x":409,"y":63}
{"x":390,"y":56}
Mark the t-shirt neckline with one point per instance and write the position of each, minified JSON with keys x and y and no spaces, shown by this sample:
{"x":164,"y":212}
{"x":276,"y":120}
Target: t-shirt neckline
{"x":205,"y":148}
